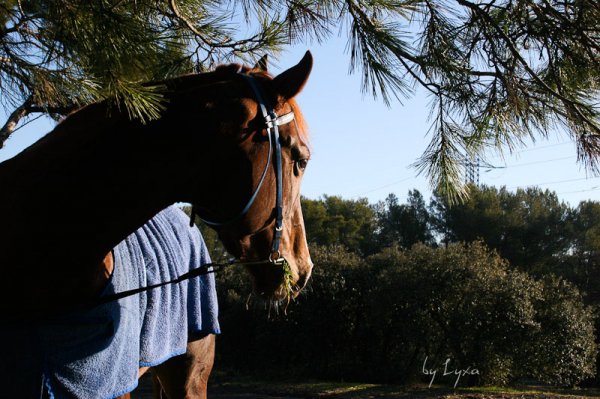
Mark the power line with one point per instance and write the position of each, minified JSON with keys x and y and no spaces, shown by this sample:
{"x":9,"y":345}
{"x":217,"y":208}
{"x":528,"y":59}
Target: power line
{"x":545,"y":146}
{"x":595,"y":188}
{"x":557,"y":182}
{"x":535,"y":148}
{"x":486,"y":165}
{"x":384,"y":186}
{"x":517,"y":165}
{"x":473,"y":173}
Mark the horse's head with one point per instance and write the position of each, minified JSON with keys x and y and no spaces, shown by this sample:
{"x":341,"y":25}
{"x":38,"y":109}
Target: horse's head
{"x":240,"y":196}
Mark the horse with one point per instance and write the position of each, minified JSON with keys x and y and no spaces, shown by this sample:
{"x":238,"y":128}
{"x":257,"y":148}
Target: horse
{"x":232,"y":142}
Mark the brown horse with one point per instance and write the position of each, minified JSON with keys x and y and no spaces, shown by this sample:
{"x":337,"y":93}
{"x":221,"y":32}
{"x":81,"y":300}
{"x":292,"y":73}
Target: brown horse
{"x":98,"y":176}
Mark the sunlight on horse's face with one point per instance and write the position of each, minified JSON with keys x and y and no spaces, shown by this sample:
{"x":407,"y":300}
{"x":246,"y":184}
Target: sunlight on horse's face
{"x":269,"y":279}
{"x":251,"y":238}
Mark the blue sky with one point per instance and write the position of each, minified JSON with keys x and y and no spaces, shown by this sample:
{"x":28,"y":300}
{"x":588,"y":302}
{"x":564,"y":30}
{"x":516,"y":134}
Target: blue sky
{"x":364,"y":149}
{"x":361,"y":148}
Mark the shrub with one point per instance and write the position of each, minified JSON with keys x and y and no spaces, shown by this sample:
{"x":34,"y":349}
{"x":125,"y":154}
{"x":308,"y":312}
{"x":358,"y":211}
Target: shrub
{"x":463,"y":303}
{"x":378,"y":319}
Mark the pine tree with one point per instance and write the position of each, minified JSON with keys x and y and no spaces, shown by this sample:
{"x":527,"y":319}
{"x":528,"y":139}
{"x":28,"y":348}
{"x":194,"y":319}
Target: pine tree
{"x":499,"y":71}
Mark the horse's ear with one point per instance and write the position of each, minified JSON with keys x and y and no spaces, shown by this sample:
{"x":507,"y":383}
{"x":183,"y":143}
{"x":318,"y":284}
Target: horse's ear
{"x":262,"y":64}
{"x":289,"y":83}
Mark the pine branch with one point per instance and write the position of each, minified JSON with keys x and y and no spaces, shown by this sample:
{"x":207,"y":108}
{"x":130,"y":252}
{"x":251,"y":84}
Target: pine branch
{"x":190,"y":25}
{"x":13,"y":120}
{"x":472,"y":56}
{"x":511,"y":45}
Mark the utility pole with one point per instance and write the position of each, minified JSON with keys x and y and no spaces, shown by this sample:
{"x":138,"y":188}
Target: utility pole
{"x":472,"y":171}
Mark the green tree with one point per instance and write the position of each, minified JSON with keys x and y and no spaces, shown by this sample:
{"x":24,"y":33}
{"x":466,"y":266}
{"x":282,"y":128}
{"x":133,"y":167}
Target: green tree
{"x":336,"y":221}
{"x":565,"y":326}
{"x":404,"y":224}
{"x":583,"y":266}
{"x":463,"y":302}
{"x":376,"y":319}
{"x":528,"y":227}
{"x":320,"y":331}
{"x":498,"y":72}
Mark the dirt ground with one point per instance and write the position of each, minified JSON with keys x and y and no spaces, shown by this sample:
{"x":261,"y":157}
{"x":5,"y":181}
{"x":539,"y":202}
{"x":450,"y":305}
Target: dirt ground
{"x":239,"y":390}
{"x":144,"y":391}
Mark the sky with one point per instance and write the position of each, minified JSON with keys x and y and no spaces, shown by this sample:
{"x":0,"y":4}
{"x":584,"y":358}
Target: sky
{"x":363,"y":149}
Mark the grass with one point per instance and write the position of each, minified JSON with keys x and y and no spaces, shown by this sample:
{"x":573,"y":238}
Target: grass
{"x":348,"y":390}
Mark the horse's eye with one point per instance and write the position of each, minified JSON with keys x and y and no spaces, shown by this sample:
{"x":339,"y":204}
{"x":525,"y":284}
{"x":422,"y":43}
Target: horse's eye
{"x":301,"y":164}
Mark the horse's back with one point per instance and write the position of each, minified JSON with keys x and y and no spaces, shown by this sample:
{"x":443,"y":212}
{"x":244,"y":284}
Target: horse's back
{"x":97,"y":354}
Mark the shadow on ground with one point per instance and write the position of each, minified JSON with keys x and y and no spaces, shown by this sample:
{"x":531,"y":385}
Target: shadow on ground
{"x":245,"y":388}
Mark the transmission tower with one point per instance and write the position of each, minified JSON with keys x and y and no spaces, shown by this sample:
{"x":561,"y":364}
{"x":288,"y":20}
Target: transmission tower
{"x":472,"y":170}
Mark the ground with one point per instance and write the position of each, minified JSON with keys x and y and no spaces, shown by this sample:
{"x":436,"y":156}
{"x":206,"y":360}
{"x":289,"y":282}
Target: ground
{"x":237,"y":388}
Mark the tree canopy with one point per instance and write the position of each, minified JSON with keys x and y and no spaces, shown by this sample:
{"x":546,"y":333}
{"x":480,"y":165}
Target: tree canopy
{"x":492,"y":282}
{"x":528,"y":227}
{"x":498,"y":71}
{"x":404,"y":225}
{"x":333,"y":220}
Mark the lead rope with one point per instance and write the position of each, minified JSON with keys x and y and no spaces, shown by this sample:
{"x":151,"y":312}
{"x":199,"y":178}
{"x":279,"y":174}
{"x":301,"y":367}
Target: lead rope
{"x":206,"y":268}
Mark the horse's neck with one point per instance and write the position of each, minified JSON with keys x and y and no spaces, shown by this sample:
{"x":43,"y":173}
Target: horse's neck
{"x":82,"y":189}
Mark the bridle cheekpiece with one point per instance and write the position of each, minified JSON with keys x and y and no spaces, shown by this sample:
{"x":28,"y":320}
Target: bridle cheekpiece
{"x":272,"y":122}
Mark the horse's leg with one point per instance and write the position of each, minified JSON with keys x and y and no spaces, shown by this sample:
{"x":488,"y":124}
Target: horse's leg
{"x":186,"y":376}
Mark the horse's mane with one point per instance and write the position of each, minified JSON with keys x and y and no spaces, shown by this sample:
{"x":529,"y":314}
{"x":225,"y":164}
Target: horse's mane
{"x":221,"y":73}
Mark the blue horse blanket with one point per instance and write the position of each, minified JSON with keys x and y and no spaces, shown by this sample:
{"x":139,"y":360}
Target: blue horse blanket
{"x":97,"y":354}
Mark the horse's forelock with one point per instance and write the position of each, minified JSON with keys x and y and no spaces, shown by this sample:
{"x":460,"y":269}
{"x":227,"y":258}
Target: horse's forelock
{"x":237,"y":68}
{"x":230,"y":70}
{"x":303,"y":133}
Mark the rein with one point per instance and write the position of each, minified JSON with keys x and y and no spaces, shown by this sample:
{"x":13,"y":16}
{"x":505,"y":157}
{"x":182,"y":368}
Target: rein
{"x":272,"y":123}
{"x":206,"y":268}
{"x":202,"y":270}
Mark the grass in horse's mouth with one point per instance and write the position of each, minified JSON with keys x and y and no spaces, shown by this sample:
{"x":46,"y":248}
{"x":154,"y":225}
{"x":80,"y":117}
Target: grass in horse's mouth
{"x":288,"y":282}
{"x":282,"y":297}
{"x":286,"y":292}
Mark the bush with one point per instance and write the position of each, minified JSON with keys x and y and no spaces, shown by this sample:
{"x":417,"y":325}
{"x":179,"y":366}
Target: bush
{"x":380,"y":318}
{"x":463,"y":303}
{"x":565,"y":351}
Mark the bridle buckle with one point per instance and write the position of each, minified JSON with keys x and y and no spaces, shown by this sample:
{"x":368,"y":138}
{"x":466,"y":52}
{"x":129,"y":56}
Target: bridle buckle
{"x":276,"y":259}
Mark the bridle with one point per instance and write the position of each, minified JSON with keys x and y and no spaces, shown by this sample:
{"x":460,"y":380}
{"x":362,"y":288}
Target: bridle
{"x":272,"y":122}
